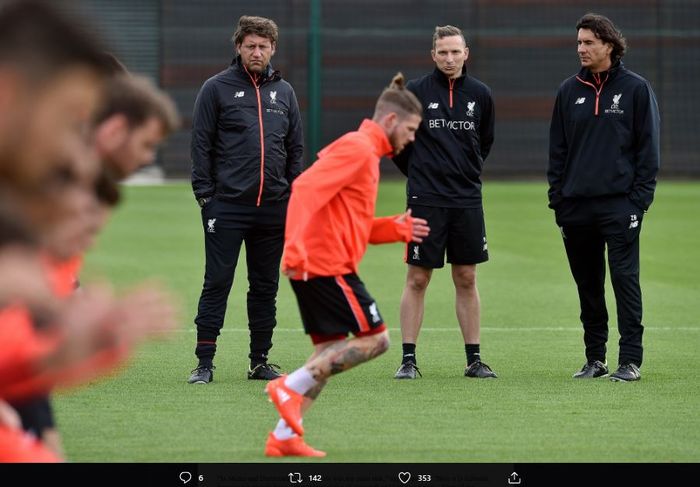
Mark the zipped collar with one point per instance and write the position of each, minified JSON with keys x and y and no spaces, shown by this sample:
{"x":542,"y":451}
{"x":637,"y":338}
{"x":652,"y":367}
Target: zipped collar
{"x":586,"y":75}
{"x":597,"y":81}
{"x":450,"y":83}
{"x":268,"y":75}
{"x":442,"y":77}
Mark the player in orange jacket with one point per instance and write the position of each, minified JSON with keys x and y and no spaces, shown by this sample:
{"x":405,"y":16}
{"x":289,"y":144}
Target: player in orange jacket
{"x":330,"y":221}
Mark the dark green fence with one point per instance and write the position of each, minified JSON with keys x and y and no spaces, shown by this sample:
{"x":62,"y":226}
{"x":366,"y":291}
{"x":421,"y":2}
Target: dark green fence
{"x":521,"y":49}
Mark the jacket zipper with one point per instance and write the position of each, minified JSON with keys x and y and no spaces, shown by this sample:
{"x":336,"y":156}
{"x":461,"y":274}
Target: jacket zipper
{"x":262,"y":138}
{"x":597,"y":90}
{"x":452,"y":85}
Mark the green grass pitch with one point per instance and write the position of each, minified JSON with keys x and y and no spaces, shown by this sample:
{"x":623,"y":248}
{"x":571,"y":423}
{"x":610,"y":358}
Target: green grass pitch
{"x":531,"y":336}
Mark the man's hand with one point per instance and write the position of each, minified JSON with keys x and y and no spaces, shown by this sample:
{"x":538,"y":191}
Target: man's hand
{"x":95,"y":321}
{"x":294,"y":273}
{"x":295,"y":262}
{"x":419,"y":226}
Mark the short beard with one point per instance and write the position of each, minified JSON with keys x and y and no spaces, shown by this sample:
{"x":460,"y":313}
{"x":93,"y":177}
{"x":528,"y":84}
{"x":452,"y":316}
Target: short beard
{"x":393,"y":142}
{"x":253,"y":69}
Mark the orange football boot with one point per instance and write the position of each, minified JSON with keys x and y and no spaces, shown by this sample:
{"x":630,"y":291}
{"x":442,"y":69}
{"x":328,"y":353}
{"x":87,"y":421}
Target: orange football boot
{"x":287,"y":402}
{"x":293,"y":447}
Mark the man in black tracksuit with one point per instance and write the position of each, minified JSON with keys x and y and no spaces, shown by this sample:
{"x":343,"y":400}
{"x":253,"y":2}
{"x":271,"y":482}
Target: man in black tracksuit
{"x":444,"y":166}
{"x":603,"y":160}
{"x":247,"y":148}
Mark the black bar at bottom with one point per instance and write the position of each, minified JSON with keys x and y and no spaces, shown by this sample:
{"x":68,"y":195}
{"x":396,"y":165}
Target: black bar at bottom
{"x":348,"y":474}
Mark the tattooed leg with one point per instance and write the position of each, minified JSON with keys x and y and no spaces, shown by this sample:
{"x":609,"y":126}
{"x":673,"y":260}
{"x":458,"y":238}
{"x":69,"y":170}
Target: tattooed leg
{"x":344,"y":355}
{"x":335,"y":357}
{"x":311,"y":396}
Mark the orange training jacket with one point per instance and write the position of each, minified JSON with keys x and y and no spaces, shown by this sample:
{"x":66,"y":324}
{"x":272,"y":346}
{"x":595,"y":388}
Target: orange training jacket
{"x":23,"y":348}
{"x":330,"y":218}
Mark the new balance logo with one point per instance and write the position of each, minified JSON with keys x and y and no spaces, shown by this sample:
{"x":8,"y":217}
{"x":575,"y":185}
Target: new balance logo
{"x":433,"y":106}
{"x":634,"y":223}
{"x":239,"y":94}
{"x":283,"y":396}
{"x":580,"y":101}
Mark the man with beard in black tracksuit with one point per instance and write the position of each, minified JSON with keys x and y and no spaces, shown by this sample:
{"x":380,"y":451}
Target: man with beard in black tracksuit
{"x":603,"y":161}
{"x":246,"y":150}
{"x":444,"y":166}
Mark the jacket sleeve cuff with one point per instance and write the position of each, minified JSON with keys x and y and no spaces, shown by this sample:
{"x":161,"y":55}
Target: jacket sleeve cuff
{"x":555,"y":200}
{"x":389,"y":229}
{"x":295,"y":260}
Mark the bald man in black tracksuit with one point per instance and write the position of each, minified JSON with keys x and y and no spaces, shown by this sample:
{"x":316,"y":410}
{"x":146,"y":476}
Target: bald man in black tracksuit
{"x":604,"y":158}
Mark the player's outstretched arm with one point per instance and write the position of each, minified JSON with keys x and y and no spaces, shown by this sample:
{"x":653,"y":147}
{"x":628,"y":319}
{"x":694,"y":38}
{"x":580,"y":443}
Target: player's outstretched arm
{"x":398,"y":228}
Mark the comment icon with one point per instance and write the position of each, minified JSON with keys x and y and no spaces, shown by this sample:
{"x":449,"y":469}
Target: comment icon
{"x":185,"y":477}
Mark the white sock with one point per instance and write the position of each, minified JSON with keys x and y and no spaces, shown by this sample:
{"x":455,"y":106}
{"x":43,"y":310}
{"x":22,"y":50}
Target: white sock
{"x":282,"y":431}
{"x":300,"y":381}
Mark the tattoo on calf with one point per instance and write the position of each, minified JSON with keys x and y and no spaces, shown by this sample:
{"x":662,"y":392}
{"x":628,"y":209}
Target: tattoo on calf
{"x":349,"y":357}
{"x":344,"y":355}
{"x":315,"y":390}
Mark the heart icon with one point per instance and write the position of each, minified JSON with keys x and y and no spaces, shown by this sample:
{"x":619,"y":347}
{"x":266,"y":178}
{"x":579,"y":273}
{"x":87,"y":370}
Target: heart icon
{"x":404,"y":477}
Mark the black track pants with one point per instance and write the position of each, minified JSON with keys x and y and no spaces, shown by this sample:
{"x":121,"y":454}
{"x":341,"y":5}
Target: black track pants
{"x":588,"y":227}
{"x":227,"y":227}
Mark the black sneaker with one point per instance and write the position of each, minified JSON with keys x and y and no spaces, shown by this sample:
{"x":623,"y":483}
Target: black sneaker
{"x":626,"y":373}
{"x":480,"y":370}
{"x":407,"y":371}
{"x":592,"y":370}
{"x":264,"y":372}
{"x":203,"y":374}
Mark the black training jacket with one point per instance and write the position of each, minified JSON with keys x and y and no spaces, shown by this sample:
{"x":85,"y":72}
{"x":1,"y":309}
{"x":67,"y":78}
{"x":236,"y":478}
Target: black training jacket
{"x":247,"y":140}
{"x":444,"y":163}
{"x":604,"y":138}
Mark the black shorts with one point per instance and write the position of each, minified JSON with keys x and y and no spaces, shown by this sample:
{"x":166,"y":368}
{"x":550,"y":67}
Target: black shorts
{"x":332,"y":307}
{"x":36,"y":415}
{"x":459,"y":232}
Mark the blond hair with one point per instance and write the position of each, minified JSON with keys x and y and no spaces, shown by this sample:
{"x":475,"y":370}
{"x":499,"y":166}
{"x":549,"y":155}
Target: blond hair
{"x":396,"y":98}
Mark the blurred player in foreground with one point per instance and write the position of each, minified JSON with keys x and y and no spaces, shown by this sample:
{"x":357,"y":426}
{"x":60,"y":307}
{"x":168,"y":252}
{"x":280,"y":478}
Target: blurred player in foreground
{"x":51,"y":79}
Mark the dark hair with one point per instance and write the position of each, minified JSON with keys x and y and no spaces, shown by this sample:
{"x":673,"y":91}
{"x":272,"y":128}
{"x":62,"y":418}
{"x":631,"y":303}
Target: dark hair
{"x":113,"y":65}
{"x":261,"y":26}
{"x":107,"y":189}
{"x":447,"y":31}
{"x":41,"y":41}
{"x":138,"y":99}
{"x":396,"y":98}
{"x":605,"y":30}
